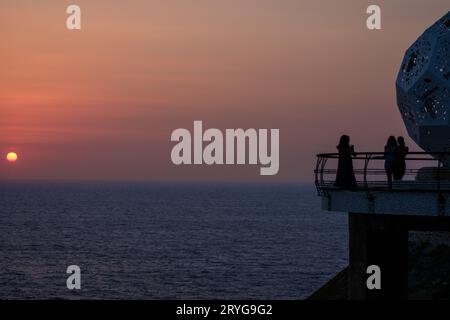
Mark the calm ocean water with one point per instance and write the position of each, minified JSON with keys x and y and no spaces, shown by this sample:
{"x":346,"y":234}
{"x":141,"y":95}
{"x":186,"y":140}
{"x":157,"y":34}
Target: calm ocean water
{"x":167,"y":241}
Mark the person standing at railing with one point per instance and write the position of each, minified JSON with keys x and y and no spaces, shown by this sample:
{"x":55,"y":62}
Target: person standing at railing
{"x":345,"y":177}
{"x":400,"y":163}
{"x":390,"y":156}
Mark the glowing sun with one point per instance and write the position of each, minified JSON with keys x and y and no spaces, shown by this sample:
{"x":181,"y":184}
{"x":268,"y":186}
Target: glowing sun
{"x":11,"y":157}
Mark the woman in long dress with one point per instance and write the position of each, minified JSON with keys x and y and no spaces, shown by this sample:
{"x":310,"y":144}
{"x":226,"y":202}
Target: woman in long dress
{"x":345,"y":177}
{"x":400,"y":163}
{"x":390,"y":156}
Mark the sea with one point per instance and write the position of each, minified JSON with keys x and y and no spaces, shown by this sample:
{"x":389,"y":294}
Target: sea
{"x":167,"y":240}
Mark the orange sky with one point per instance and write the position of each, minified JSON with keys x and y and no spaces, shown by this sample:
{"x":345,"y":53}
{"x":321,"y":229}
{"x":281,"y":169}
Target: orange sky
{"x":101,"y":103}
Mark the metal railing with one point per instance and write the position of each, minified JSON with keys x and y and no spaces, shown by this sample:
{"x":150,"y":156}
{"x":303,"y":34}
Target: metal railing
{"x":424,"y":172}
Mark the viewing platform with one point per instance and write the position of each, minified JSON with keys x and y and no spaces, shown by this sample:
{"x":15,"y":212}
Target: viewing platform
{"x":381,"y":216}
{"x":424,"y":189}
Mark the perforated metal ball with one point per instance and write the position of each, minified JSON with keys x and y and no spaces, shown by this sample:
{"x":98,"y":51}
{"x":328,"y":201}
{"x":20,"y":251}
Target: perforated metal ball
{"x":423,"y":88}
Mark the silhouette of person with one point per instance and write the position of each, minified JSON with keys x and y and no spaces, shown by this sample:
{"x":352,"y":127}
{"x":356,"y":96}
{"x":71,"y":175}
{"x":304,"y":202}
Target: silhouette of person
{"x":390,"y":155}
{"x":345,"y":176}
{"x":400,"y":163}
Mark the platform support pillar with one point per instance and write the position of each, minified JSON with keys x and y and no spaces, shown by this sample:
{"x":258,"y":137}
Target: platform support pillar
{"x":380,"y":240}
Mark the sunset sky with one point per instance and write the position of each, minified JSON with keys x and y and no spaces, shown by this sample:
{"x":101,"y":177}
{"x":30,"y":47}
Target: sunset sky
{"x":101,"y":103}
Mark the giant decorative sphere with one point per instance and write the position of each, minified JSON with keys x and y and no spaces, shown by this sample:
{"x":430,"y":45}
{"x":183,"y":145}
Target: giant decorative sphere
{"x":423,"y":88}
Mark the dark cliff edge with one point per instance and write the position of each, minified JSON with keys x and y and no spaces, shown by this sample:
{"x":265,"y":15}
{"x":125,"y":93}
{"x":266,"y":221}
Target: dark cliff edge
{"x":335,"y":289}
